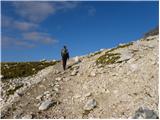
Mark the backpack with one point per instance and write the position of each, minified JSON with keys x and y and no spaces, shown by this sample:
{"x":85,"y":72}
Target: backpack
{"x":64,"y":52}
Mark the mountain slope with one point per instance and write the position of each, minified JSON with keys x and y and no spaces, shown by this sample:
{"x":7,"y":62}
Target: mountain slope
{"x":111,"y":83}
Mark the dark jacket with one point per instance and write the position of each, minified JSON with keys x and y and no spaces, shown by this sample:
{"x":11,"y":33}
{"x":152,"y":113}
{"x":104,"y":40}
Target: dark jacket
{"x":65,"y":53}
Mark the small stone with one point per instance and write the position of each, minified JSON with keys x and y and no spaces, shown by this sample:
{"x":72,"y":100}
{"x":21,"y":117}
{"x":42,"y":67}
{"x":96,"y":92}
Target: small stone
{"x":56,"y":89}
{"x":145,"y":113}
{"x":102,"y":49}
{"x":46,"y":92}
{"x":74,"y":72}
{"x":27,"y":117}
{"x":67,"y":79}
{"x":57,"y":72}
{"x":107,"y":91}
{"x":62,"y":117}
{"x":1,"y":76}
{"x":103,"y":90}
{"x":87,"y":94}
{"x":41,"y":86}
{"x":93,"y":74}
{"x":48,"y":95}
{"x":76,"y":59}
{"x":58,"y":78}
{"x":115,"y":91}
{"x":100,"y":65}
{"x":90,"y":104}
{"x":57,"y":85}
{"x":77,"y":96}
{"x":45,"y":105}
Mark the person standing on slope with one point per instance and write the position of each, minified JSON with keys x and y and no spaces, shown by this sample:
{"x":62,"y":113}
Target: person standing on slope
{"x":65,"y":56}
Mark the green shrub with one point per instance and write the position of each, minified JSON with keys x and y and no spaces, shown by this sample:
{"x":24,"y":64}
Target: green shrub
{"x":22,"y":69}
{"x":108,"y":58}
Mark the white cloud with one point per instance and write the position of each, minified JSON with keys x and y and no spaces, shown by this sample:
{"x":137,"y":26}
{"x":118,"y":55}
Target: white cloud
{"x":24,"y":44}
{"x":34,"y":11}
{"x":40,"y":10}
{"x":29,"y":15}
{"x":28,"y":40}
{"x":9,"y":23}
{"x":24,"y":26}
{"x":8,"y":41}
{"x":39,"y":37}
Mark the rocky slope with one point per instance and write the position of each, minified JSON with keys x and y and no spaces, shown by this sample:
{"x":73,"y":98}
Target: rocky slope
{"x":112,"y":83}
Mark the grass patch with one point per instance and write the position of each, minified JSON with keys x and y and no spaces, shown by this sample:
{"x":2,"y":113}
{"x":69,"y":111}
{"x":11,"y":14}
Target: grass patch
{"x":121,"y":46}
{"x":22,"y":69}
{"x":111,"y":58}
{"x":108,"y":58}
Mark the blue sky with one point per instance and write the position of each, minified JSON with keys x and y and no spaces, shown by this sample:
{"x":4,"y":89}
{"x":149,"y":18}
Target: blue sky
{"x":32,"y":31}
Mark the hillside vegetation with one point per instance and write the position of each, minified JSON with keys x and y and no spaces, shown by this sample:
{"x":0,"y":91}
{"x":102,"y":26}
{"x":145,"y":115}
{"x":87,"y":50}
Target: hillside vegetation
{"x":22,"y":69}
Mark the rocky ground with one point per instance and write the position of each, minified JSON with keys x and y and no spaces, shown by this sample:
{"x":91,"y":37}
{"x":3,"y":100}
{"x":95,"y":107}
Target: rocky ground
{"x":112,"y":83}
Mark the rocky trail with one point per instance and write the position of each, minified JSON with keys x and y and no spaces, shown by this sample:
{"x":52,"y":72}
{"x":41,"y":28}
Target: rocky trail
{"x":126,"y":86}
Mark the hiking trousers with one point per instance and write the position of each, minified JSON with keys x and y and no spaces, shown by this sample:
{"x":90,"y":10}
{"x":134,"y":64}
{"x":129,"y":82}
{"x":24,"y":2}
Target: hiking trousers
{"x":64,"y":61}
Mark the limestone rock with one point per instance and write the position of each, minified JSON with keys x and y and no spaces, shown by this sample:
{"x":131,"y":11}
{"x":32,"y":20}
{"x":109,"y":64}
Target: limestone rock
{"x":90,"y":104}
{"x":93,"y":74}
{"x":59,"y":78}
{"x":76,"y":59}
{"x":145,"y":113}
{"x":74,"y":72}
{"x":27,"y":117}
{"x":45,"y":105}
{"x":88,"y":94}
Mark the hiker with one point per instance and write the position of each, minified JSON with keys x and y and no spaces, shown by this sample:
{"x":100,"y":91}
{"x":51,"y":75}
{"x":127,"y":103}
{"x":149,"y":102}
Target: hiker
{"x":65,"y":56}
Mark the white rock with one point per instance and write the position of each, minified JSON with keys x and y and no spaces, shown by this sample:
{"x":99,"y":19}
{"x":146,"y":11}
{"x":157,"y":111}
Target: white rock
{"x":93,"y":74}
{"x":105,"y":90}
{"x":58,"y":78}
{"x":101,"y":49}
{"x":43,"y":60}
{"x":56,"y":89}
{"x":74,"y":72}
{"x":33,"y":69}
{"x":121,"y":44}
{"x":53,"y":60}
{"x":87,"y":94}
{"x":133,"y":67}
{"x":67,"y":79}
{"x":100,"y":65}
{"x":77,"y":96}
{"x":125,"y":55}
{"x":90,"y":104}
{"x":1,"y":76}
{"x":62,"y":117}
{"x":45,"y":105}
{"x":27,"y":117}
{"x":46,"y":92}
{"x":48,"y":95}
{"x":76,"y":59}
